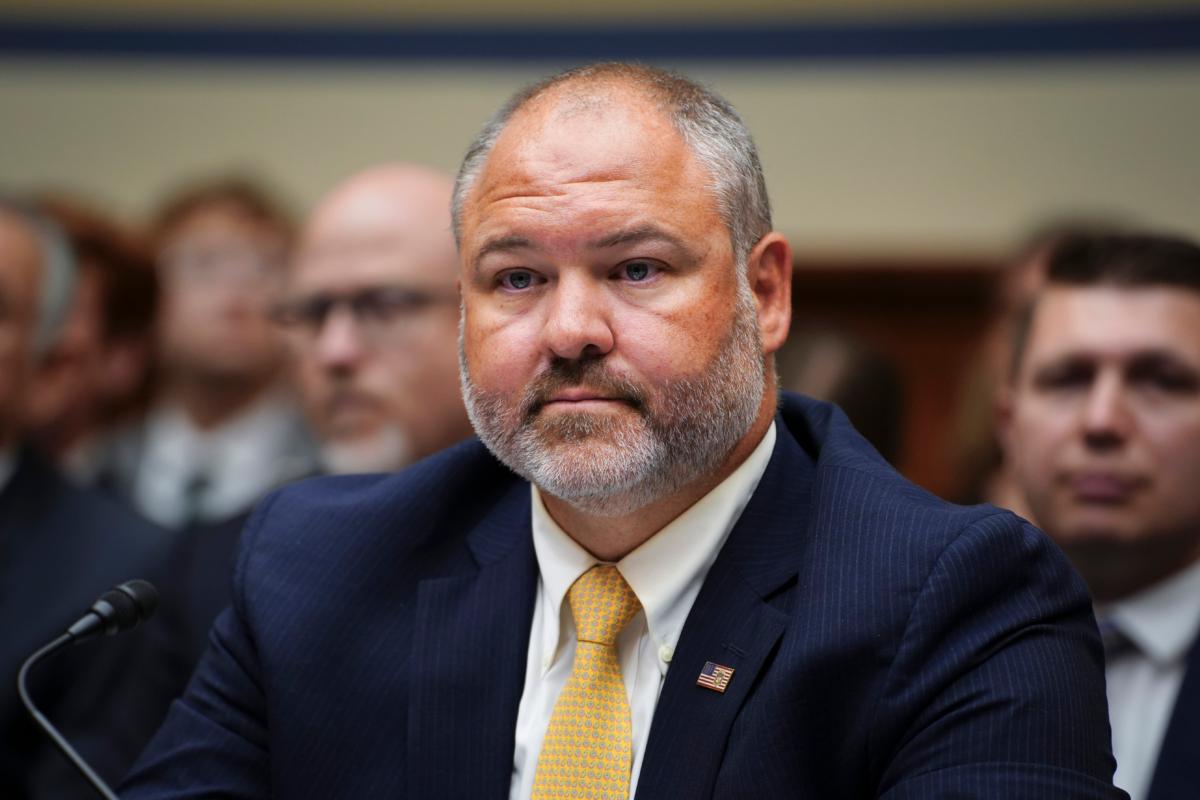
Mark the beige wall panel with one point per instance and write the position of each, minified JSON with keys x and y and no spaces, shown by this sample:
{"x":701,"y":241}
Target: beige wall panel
{"x":870,"y":159}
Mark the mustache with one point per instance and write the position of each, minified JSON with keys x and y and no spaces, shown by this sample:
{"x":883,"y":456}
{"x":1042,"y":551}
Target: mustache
{"x":590,"y":373}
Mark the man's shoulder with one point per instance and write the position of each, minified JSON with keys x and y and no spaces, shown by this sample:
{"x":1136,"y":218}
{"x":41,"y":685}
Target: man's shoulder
{"x":851,"y":476}
{"x":455,"y":484}
{"x":862,"y":511}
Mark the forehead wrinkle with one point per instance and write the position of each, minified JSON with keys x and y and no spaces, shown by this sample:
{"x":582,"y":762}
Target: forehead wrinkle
{"x":639,"y":234}
{"x":539,"y":183}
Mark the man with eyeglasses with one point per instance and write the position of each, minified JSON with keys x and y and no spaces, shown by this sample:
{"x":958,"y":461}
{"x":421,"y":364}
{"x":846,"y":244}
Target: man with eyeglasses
{"x":372,"y":314}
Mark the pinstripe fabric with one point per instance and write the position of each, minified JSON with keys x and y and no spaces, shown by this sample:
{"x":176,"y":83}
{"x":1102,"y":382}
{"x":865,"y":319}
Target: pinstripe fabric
{"x":886,"y":644}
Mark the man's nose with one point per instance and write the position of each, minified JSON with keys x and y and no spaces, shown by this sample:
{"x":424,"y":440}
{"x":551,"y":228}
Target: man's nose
{"x":1107,"y":417}
{"x":577,"y":318}
{"x":339,"y":343}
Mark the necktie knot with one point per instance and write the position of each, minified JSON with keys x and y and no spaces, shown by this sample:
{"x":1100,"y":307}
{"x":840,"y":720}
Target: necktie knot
{"x":602,"y":604}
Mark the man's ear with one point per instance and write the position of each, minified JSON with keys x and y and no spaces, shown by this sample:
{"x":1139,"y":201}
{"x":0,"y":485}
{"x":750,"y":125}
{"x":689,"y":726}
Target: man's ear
{"x":769,"y":269}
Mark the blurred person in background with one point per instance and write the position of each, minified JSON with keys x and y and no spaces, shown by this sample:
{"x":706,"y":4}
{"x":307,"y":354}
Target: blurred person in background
{"x":60,"y":546}
{"x":96,"y":379}
{"x":225,"y":428}
{"x":1101,"y":427}
{"x":371,"y":311}
{"x":989,"y":478}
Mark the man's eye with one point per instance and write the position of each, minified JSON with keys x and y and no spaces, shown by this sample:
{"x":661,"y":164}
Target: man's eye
{"x":1171,"y":381}
{"x":517,"y":279}
{"x":1064,"y":377}
{"x":638,"y":270}
{"x":384,"y":307}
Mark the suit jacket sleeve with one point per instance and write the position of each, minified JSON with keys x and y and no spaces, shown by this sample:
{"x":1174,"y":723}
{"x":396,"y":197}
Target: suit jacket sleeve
{"x":994,"y":688}
{"x":214,"y":740}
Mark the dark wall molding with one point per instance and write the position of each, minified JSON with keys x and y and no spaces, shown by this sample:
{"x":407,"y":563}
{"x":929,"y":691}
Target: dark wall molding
{"x":1151,"y":34}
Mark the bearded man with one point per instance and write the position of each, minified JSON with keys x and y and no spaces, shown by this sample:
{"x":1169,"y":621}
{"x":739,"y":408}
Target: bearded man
{"x":647,"y":576}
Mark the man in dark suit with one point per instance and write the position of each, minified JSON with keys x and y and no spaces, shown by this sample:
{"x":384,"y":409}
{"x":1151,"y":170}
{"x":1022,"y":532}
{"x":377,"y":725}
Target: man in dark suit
{"x":646,"y":577}
{"x":1101,"y":422}
{"x":60,"y":547}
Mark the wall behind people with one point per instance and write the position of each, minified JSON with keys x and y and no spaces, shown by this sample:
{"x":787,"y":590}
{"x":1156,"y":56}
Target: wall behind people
{"x":911,"y":140}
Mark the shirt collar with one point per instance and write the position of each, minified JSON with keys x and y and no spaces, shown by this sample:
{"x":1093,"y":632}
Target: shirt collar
{"x":241,"y":459}
{"x":666,"y":571}
{"x":1164,"y":619}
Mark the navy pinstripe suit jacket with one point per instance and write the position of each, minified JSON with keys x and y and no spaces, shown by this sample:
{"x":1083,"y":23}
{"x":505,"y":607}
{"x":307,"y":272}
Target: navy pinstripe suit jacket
{"x":885,"y":644}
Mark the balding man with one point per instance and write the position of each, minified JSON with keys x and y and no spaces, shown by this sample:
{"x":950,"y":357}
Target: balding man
{"x":648,"y":576}
{"x":60,"y":547}
{"x":372,"y":306}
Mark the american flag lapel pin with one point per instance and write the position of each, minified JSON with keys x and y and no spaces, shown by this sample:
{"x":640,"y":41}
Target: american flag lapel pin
{"x":714,"y":676}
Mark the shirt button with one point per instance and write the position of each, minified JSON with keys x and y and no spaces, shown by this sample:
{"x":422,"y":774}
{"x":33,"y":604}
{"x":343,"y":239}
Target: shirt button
{"x":665,"y":653}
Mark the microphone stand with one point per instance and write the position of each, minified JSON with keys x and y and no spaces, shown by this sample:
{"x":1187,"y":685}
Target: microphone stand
{"x":63,"y":745}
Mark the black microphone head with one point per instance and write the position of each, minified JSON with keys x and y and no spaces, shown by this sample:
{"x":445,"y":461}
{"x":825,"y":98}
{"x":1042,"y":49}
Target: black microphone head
{"x":144,"y":596}
{"x":122,"y":607}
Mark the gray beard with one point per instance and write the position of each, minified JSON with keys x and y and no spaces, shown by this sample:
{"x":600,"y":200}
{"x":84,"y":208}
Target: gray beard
{"x":614,"y":467}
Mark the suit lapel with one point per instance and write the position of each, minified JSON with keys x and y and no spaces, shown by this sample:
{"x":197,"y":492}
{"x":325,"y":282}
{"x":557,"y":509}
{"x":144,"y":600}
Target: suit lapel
{"x":732,"y":624}
{"x":470,"y":645}
{"x":1177,"y":773}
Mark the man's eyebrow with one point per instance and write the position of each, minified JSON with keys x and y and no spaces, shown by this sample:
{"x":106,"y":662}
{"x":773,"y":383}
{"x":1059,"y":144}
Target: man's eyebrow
{"x":646,"y":233}
{"x":501,"y":244}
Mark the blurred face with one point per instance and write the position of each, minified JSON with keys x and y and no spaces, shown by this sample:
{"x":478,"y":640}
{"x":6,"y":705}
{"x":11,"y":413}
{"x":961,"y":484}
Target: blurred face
{"x":66,"y":391}
{"x":374,"y":332}
{"x":19,"y":275}
{"x":221,"y":273}
{"x":1104,"y":428}
{"x":610,"y":352}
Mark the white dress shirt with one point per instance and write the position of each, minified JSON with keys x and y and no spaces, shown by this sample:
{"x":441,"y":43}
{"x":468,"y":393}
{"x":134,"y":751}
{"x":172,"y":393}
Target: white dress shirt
{"x":241,"y":460}
{"x":1144,"y":680}
{"x":665,"y":573}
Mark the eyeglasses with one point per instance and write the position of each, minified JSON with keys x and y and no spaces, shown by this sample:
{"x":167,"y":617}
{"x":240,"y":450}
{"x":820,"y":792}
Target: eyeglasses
{"x":381,"y":312}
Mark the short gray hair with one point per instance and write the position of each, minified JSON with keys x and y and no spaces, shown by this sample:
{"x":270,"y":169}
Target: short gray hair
{"x":707,"y":122}
{"x":56,"y":281}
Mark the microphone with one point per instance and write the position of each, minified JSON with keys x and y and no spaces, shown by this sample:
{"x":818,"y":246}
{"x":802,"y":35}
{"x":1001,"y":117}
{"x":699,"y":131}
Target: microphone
{"x":119,"y":609}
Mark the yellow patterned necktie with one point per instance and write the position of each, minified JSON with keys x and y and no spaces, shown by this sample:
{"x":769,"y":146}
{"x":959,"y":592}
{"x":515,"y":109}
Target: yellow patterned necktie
{"x":588,"y":750}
